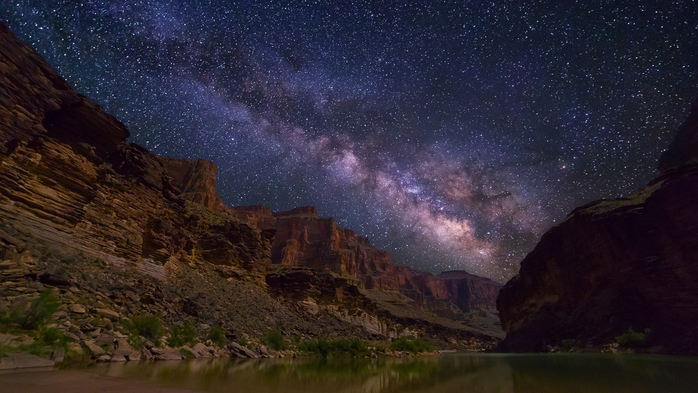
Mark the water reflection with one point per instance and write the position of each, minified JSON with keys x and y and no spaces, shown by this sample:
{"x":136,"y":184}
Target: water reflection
{"x":475,"y":373}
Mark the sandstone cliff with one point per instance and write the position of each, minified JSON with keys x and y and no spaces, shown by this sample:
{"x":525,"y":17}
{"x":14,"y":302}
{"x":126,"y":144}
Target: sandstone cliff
{"x":302,"y":239}
{"x":136,"y":232}
{"x":616,"y":264}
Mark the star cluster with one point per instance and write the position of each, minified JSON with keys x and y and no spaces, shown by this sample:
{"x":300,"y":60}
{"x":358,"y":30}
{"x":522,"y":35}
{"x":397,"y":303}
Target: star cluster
{"x":452,"y":134}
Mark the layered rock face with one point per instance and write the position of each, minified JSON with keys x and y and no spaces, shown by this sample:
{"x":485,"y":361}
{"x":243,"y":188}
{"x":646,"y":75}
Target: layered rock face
{"x":616,"y":264}
{"x":69,"y":179}
{"x":74,"y":194}
{"x":302,"y":239}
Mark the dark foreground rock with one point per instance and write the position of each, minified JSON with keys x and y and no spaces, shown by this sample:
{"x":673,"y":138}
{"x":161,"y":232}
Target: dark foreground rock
{"x":614,"y":265}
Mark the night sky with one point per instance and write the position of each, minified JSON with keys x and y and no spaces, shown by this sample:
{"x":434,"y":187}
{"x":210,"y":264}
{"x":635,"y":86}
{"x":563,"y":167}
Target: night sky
{"x":452,"y":134}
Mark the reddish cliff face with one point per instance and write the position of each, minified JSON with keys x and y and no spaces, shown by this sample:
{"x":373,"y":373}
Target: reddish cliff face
{"x":611,"y":265}
{"x":69,"y":179}
{"x":196,"y":180}
{"x":302,"y":239}
{"x":71,"y":185}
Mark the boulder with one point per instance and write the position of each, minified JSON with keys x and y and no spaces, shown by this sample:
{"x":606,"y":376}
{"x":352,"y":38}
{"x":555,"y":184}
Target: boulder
{"x":105,"y":339}
{"x":104,"y":359}
{"x":123,"y":349}
{"x":200,"y":350}
{"x":58,"y":355}
{"x":107,"y":313}
{"x":166,"y":354}
{"x":24,"y":361}
{"x":71,"y":336}
{"x":240,"y":351}
{"x":95,"y":350}
{"x":77,"y":308}
{"x":116,"y":358}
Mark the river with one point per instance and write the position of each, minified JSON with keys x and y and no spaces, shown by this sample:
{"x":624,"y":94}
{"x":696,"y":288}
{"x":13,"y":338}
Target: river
{"x":458,"y":373}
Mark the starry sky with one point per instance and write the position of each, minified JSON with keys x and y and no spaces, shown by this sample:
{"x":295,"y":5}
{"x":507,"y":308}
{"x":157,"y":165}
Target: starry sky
{"x":452,"y":134}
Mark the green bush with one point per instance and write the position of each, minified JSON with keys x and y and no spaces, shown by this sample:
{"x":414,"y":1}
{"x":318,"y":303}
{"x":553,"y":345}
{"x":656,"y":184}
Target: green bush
{"x":631,"y":338}
{"x":275,"y":340}
{"x":243,"y":341}
{"x":148,"y":326}
{"x":33,"y":315}
{"x":48,"y":339}
{"x":135,"y":341}
{"x":217,"y":335}
{"x":320,"y":346}
{"x":410,"y":345}
{"x":341,"y":346}
{"x":183,"y":335}
{"x":12,"y":319}
{"x":51,"y":336}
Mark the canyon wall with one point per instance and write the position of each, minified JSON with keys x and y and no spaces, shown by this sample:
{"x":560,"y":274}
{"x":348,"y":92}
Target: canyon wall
{"x":302,"y":239}
{"x":72,"y":187}
{"x":616,"y":264}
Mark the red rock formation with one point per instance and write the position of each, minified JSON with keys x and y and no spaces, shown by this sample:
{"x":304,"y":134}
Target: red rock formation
{"x":69,"y":180}
{"x":303,"y":239}
{"x":615,"y":264}
{"x":196,"y":180}
{"x":70,"y":183}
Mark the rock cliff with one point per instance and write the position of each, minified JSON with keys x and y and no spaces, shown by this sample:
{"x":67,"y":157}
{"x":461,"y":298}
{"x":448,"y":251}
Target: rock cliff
{"x":82,"y":208}
{"x":302,"y":239}
{"x":69,"y":179}
{"x":616,"y":264}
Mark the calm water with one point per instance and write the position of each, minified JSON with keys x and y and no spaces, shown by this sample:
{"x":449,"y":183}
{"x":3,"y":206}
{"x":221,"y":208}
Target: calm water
{"x":462,"y":373}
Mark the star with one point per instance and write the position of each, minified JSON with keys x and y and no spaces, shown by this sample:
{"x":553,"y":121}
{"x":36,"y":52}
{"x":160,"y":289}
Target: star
{"x":452,"y":134}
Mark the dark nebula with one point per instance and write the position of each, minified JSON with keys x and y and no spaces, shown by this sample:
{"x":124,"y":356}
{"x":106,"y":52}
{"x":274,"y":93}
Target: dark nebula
{"x":452,"y":134}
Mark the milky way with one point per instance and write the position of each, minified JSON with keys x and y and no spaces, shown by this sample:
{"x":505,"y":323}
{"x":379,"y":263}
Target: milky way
{"x":452,"y":134}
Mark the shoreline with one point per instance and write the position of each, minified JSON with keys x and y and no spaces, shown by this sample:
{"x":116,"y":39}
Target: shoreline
{"x":301,"y":374}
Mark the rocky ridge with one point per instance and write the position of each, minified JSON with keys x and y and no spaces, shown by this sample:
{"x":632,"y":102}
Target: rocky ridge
{"x":116,"y":231}
{"x":613,"y":265}
{"x":302,"y":239}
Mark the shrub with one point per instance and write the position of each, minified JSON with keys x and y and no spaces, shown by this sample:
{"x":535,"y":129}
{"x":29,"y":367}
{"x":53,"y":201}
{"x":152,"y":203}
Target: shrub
{"x":275,"y":340}
{"x":243,"y":341}
{"x":631,"y":338}
{"x":51,"y":336}
{"x":217,"y":335}
{"x":410,"y":345}
{"x":38,"y":313}
{"x":183,"y":335}
{"x":341,"y":346}
{"x":319,"y":346}
{"x":136,"y":341}
{"x":148,"y":326}
{"x":48,"y":339}
{"x":13,"y":317}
